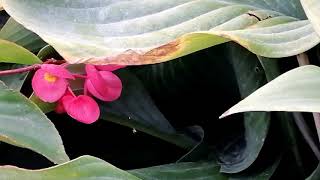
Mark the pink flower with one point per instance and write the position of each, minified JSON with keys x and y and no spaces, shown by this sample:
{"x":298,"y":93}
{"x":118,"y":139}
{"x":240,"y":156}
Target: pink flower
{"x":50,"y":82}
{"x":104,"y":84}
{"x":81,"y":108}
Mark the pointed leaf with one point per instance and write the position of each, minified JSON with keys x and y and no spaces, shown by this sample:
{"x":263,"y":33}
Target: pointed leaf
{"x":140,"y":32}
{"x":23,"y":124}
{"x":296,"y":90}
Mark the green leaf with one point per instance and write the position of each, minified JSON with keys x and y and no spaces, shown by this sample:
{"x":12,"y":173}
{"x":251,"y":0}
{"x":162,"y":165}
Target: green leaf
{"x":13,"y":53}
{"x":14,"y":32}
{"x":24,"y":125}
{"x":83,"y":168}
{"x":311,"y":7}
{"x":136,"y":109}
{"x":140,"y":32}
{"x":250,"y":76}
{"x":296,"y":91}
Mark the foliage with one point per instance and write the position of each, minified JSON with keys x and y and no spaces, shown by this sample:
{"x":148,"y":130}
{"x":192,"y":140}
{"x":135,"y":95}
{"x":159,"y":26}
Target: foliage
{"x":197,"y":59}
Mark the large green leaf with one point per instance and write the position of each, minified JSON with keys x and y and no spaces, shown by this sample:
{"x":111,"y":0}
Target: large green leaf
{"x":13,"y":53}
{"x":151,"y":31}
{"x":23,"y":124}
{"x":311,"y":7}
{"x":250,"y":76}
{"x":14,"y":32}
{"x":296,"y":90}
{"x":83,"y":168}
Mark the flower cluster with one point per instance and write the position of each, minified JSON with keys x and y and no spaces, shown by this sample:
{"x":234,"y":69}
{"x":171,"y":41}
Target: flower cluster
{"x":51,"y":84}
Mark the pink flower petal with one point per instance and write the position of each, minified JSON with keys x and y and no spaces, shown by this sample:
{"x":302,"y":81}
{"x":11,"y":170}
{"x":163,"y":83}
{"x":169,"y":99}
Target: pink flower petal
{"x":96,"y":79}
{"x":82,"y":108}
{"x":46,"y":90}
{"x":57,"y":70}
{"x":107,"y":89}
{"x":109,"y":67}
{"x":60,"y":105}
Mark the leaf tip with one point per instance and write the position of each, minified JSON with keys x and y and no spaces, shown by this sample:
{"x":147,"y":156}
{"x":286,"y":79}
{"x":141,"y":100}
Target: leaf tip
{"x":225,"y":114}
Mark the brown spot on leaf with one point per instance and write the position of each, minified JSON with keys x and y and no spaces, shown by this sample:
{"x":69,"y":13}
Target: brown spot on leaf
{"x":131,"y":57}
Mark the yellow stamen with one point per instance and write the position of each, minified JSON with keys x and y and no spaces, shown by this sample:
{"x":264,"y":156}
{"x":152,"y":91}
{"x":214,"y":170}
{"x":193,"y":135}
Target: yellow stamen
{"x":50,"y":78}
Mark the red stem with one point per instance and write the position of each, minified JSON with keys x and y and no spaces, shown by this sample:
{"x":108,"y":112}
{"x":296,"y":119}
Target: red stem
{"x":30,"y":68}
{"x":20,"y":70}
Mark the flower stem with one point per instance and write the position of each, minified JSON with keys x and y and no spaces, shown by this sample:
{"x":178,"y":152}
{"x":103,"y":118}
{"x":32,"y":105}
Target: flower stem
{"x":303,"y":60}
{"x":20,"y":70}
{"x":30,"y":68}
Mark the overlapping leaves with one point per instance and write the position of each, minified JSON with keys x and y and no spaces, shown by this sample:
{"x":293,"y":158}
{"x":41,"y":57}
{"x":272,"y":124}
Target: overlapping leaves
{"x":140,"y":32}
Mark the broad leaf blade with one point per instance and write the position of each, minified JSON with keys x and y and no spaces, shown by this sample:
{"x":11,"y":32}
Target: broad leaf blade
{"x":13,"y":53}
{"x":296,"y":91}
{"x":311,"y":7}
{"x":140,"y":32}
{"x":23,"y":124}
{"x":86,"y":167}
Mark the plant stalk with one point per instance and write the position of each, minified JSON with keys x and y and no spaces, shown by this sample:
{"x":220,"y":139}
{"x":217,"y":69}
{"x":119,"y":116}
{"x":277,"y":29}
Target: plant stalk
{"x":30,"y":68}
{"x":303,"y":60}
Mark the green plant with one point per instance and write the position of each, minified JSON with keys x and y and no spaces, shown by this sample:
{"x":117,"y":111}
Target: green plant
{"x":245,"y":47}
